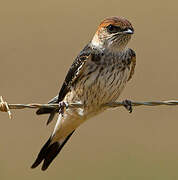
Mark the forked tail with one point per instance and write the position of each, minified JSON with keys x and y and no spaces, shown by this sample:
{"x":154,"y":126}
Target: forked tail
{"x":49,"y":152}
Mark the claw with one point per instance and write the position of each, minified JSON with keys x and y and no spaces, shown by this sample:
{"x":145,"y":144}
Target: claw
{"x":62,"y":107}
{"x":128,"y":105}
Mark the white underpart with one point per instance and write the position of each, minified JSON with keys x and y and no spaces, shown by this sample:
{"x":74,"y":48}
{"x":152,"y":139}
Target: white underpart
{"x":58,"y":124}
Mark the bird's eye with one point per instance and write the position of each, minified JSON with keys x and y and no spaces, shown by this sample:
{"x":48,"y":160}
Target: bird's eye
{"x":113,"y":29}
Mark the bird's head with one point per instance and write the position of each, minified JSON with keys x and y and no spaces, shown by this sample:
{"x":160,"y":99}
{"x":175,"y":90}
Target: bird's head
{"x":113,"y":33}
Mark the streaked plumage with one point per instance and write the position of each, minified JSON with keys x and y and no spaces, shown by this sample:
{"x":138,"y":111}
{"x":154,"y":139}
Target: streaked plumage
{"x":97,"y":76}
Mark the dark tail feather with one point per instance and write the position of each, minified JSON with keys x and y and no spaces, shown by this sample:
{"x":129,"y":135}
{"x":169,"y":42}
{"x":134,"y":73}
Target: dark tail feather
{"x":44,"y":111}
{"x":53,"y":151}
{"x":49,"y":152}
{"x":47,"y":111}
{"x":51,"y":117}
{"x":41,"y":154}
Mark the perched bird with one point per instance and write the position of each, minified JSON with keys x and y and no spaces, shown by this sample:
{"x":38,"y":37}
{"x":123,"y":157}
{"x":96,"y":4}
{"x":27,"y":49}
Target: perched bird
{"x":97,"y":76}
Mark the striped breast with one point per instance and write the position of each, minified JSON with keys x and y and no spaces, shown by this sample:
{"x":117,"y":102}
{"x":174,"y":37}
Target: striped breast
{"x":102,"y":80}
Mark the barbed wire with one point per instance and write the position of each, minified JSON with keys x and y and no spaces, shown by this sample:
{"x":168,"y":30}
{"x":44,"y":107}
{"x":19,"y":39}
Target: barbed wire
{"x":5,"y":107}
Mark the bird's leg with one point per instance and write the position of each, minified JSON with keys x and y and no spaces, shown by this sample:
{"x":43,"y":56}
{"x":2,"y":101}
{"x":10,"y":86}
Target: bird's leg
{"x":128,"y":105}
{"x":62,"y":106}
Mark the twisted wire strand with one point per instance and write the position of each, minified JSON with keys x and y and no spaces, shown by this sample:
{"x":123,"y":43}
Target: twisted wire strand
{"x":5,"y":107}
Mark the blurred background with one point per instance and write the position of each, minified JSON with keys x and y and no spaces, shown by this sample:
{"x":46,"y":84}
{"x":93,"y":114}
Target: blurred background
{"x":39,"y":39}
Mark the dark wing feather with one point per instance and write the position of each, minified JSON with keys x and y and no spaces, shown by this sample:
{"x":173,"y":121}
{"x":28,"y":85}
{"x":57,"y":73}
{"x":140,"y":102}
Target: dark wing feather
{"x":72,"y":75}
{"x":74,"y":71}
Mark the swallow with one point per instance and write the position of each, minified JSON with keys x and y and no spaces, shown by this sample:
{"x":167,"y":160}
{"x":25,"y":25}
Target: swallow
{"x":97,"y":76}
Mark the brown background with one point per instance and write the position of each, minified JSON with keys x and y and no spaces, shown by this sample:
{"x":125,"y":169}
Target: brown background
{"x":38,"y":42}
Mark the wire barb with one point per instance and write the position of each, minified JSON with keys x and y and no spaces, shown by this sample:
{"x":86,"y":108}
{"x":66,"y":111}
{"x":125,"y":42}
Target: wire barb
{"x":5,"y":107}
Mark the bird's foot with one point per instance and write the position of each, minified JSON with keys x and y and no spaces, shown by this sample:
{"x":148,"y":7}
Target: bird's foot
{"x":62,"y":107}
{"x":128,"y":105}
